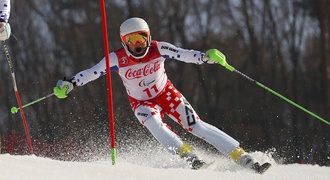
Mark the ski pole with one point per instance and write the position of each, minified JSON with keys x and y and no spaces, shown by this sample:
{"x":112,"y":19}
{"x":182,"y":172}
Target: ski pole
{"x":221,"y":59}
{"x":18,"y":98}
{"x":14,"y":109}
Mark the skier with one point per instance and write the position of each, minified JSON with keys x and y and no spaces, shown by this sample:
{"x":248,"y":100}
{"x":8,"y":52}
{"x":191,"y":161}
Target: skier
{"x":140,"y":64}
{"x":5,"y":29}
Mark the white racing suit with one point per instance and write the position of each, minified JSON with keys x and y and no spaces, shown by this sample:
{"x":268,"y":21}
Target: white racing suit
{"x":5,"y":29}
{"x":4,"y":10}
{"x":152,"y":95}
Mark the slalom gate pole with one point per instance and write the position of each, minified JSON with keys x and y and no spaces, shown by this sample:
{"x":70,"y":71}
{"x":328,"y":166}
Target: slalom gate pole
{"x":109,"y":86}
{"x":15,"y":110}
{"x":18,"y":98}
{"x":221,"y":59}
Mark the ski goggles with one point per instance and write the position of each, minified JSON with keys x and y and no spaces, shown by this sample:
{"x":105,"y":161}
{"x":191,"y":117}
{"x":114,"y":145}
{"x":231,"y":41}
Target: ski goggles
{"x":137,"y":38}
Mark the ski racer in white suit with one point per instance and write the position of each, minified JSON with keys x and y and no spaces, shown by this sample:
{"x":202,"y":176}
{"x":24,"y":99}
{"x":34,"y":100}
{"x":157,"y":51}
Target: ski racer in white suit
{"x":140,"y":64}
{"x":5,"y":29}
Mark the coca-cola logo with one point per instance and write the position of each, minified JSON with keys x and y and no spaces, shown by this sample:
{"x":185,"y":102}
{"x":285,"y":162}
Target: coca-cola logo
{"x":142,"y":72}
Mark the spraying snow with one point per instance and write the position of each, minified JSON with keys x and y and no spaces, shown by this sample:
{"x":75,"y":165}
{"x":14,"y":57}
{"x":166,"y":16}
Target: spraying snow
{"x":136,"y":164}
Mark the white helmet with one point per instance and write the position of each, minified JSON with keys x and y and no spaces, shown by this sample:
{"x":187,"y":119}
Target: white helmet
{"x":133,"y":25}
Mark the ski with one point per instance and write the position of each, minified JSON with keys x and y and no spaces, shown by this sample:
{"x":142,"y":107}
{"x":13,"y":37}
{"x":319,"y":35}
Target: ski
{"x":201,"y":165}
{"x":206,"y":165}
{"x":256,"y":167}
{"x":260,"y":168}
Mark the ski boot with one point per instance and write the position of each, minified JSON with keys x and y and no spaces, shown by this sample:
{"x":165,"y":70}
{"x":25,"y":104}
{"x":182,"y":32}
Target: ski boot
{"x":245,"y":160}
{"x":193,"y":161}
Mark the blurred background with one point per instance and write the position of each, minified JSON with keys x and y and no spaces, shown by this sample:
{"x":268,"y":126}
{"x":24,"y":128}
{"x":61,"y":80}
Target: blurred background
{"x":285,"y":44}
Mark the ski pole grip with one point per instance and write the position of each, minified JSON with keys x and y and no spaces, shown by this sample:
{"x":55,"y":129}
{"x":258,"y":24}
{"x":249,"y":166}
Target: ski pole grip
{"x":14,"y":110}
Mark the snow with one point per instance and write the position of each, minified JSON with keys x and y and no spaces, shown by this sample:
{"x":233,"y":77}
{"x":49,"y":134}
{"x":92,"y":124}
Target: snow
{"x":153,"y":168}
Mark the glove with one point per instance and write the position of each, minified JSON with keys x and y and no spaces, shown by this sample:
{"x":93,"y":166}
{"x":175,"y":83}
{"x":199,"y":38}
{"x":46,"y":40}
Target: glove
{"x":62,"y":89}
{"x":5,"y":31}
{"x":217,"y":57}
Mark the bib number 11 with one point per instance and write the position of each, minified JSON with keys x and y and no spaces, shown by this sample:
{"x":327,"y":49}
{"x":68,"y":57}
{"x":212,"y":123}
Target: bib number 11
{"x":153,"y":89}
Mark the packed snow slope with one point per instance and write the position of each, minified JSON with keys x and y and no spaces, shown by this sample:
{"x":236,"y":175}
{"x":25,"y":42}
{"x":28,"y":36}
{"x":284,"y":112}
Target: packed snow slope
{"x":155,"y":167}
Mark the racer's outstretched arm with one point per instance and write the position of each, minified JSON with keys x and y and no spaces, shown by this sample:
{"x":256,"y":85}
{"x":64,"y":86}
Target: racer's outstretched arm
{"x":170,"y":51}
{"x":63,"y":87}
